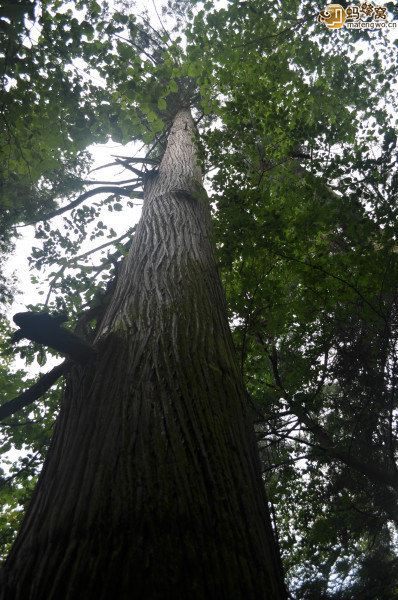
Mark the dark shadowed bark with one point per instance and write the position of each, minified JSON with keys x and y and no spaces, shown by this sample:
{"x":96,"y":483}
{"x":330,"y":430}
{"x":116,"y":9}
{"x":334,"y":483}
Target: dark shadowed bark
{"x":151,"y":489}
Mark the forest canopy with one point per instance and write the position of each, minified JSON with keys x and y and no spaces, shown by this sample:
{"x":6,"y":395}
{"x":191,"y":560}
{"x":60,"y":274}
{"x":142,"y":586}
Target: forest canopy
{"x":297,"y":131}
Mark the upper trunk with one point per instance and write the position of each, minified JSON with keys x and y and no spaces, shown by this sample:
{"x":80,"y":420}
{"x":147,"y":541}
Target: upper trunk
{"x":152,"y":488}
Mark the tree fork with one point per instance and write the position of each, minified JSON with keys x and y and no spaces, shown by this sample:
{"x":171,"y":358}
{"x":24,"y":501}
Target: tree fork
{"x":151,"y":488}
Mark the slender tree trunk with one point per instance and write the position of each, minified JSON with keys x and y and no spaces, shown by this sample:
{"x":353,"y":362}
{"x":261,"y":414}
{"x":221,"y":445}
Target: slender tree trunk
{"x":151,"y":489}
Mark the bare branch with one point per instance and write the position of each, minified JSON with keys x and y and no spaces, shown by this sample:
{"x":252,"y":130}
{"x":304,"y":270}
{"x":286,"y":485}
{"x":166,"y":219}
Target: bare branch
{"x":126,"y":164}
{"x":111,"y":164}
{"x":149,"y":161}
{"x":112,"y":182}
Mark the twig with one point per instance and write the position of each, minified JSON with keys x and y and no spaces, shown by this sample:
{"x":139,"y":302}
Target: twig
{"x":333,"y":276}
{"x":101,"y":247}
{"x":137,"y":46}
{"x":75,"y":259}
{"x":161,"y":23}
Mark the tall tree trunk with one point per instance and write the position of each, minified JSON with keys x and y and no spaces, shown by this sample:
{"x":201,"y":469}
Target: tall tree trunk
{"x":152,"y":488}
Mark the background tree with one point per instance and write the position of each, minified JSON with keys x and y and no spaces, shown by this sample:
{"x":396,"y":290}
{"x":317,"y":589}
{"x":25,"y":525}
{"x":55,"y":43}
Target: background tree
{"x":315,"y":281}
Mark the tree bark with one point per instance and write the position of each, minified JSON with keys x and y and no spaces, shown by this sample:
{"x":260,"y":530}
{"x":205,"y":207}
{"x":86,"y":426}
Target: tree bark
{"x":152,"y":488}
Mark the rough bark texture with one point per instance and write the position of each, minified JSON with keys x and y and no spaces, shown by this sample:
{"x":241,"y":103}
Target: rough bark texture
{"x":151,"y":489}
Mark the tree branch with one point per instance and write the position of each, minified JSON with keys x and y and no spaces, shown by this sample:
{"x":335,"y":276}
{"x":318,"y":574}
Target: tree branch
{"x":332,"y":276}
{"x":99,"y":182}
{"x":137,"y":47}
{"x":117,"y":191}
{"x":118,"y":240}
{"x":74,"y":261}
{"x":35,"y":392}
{"x":374,"y":471}
{"x":149,"y":161}
{"x":126,"y":164}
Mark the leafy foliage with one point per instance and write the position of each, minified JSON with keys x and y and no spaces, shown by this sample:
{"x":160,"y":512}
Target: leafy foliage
{"x":24,"y":443}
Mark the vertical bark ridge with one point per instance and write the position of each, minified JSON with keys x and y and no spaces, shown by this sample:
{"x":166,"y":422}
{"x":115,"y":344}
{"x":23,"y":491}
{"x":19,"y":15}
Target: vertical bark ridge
{"x":151,"y":488}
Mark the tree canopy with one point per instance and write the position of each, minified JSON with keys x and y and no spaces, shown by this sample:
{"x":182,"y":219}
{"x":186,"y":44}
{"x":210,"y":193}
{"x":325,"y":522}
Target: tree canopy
{"x":298,"y":135}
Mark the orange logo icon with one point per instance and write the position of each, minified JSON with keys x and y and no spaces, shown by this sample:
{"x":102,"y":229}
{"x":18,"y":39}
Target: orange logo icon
{"x":333,"y":16}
